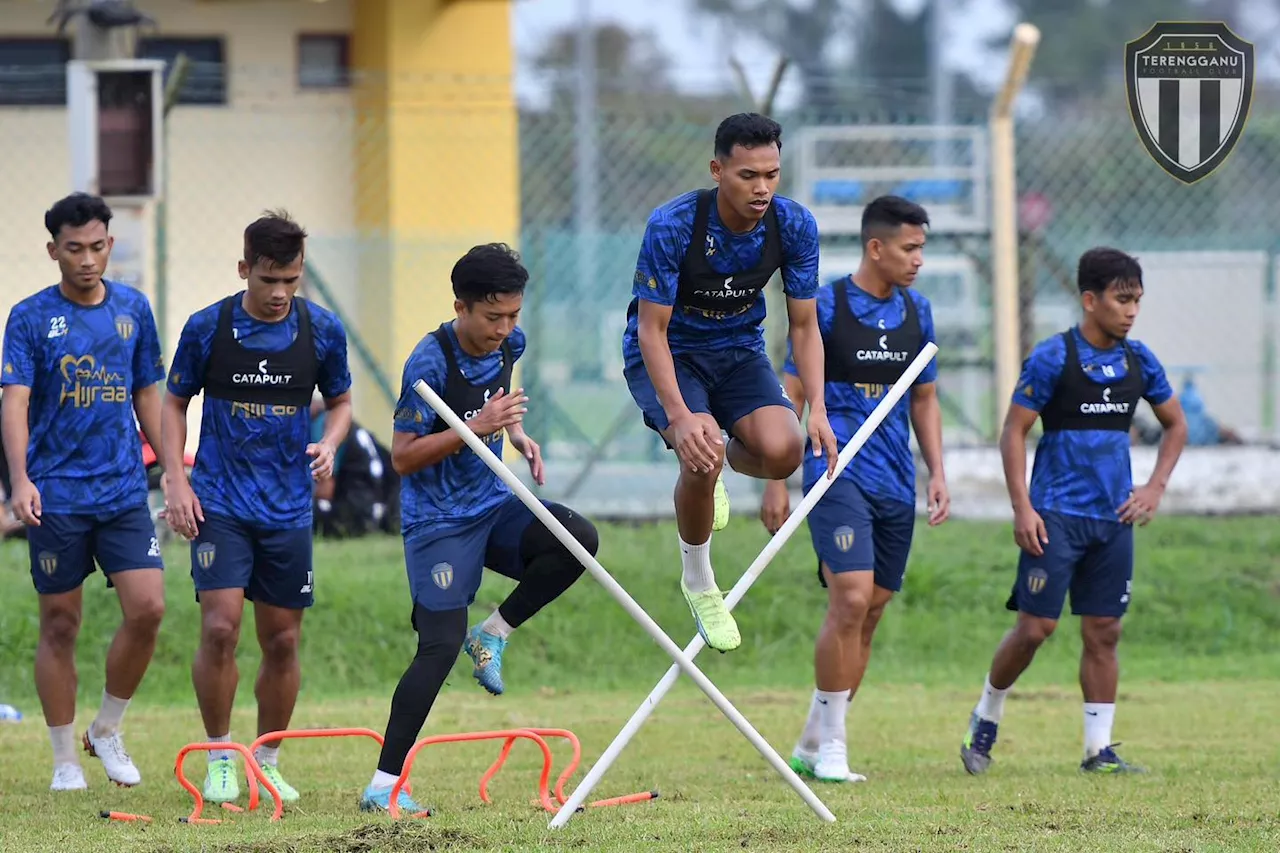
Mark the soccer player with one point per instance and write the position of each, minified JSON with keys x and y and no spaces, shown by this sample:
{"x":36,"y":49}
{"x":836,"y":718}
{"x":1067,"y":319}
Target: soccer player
{"x":1075,"y":525}
{"x":457,"y":516}
{"x":873,"y":326}
{"x":258,"y":355}
{"x":694,"y":352}
{"x":81,"y":361}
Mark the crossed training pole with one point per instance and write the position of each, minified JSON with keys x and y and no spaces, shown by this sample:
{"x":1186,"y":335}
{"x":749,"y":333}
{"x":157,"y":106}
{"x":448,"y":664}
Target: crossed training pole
{"x":793,"y":522}
{"x":634,"y":610}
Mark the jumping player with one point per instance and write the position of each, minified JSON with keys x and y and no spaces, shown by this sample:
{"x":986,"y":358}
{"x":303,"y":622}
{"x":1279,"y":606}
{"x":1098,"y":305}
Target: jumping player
{"x":457,"y":516}
{"x":81,"y":360}
{"x":258,"y":355}
{"x":693,"y":348}
{"x":1075,"y":525}
{"x":873,"y":326}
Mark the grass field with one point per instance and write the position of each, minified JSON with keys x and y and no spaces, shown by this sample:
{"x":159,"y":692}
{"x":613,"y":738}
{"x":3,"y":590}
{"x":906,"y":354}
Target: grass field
{"x":1198,"y":705}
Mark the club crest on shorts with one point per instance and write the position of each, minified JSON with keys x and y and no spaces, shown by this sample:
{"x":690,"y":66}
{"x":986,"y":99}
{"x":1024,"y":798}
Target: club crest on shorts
{"x":1189,"y":86}
{"x":1036,"y":579}
{"x":205,"y":553}
{"x":843,"y":537}
{"x":48,"y":562}
{"x":442,"y":574}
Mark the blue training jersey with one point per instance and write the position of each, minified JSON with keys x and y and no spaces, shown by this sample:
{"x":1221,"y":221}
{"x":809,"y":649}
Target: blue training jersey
{"x":463,"y":488}
{"x":662,"y":250}
{"x":1084,"y":472}
{"x":252,"y":465}
{"x":885,"y":466}
{"x":83,"y":365}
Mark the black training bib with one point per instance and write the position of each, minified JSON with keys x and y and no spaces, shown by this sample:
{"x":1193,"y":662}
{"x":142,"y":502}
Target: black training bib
{"x":241,"y":375}
{"x":1083,"y":403}
{"x":860,"y":354}
{"x":703,"y":289}
{"x":466,"y":400}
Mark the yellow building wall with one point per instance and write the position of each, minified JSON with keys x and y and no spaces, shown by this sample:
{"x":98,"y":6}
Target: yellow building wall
{"x":438,"y":164}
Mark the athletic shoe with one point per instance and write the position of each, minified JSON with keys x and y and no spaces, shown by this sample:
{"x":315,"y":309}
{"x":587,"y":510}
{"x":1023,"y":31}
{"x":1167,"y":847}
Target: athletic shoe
{"x":804,"y":763}
{"x":222,"y":784}
{"x":68,"y":777}
{"x":1108,"y":762}
{"x":485,"y":650}
{"x":721,"y":518}
{"x":111,"y":752}
{"x":975,"y":750}
{"x":715,"y":622}
{"x":379,"y":799}
{"x":288,"y":793}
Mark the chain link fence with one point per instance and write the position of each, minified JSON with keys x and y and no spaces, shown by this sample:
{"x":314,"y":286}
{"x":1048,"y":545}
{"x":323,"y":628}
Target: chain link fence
{"x":1083,"y":179}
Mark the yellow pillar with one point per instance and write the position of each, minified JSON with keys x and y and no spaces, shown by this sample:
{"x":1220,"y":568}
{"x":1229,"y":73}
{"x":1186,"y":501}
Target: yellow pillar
{"x":437,"y":164}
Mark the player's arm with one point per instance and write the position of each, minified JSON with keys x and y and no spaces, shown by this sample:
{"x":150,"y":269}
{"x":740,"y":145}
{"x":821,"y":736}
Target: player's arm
{"x":926,"y":420}
{"x":800,"y":284}
{"x":1144,"y":501}
{"x":334,"y":382}
{"x":1018,"y":422}
{"x":807,"y":350}
{"x":182,"y":507}
{"x":15,"y":428}
{"x":148,"y":372}
{"x":775,"y":505}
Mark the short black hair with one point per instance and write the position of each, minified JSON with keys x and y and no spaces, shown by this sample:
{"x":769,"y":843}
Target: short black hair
{"x":889,"y":213}
{"x":76,"y":210}
{"x":1102,"y":266}
{"x":748,"y":130}
{"x":273,"y":237}
{"x":487,"y":272}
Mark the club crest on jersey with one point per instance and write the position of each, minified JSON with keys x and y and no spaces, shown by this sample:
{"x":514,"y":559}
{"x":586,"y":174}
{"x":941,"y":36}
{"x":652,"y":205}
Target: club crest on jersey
{"x":1189,"y":86}
{"x":124,"y":326}
{"x":442,"y":575}
{"x":205,"y":554}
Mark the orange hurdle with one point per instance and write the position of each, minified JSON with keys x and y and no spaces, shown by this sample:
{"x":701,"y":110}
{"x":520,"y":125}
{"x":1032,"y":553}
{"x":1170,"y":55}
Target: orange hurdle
{"x":253,"y":772}
{"x":543,"y":795}
{"x":640,"y":797}
{"x":285,"y":734}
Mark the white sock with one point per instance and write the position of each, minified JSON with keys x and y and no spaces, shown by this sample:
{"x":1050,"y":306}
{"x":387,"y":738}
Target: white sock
{"x":1098,"y":717}
{"x":267,"y":756}
{"x":382,"y":780}
{"x":696,"y":559}
{"x":812,"y":726}
{"x":991,"y":705}
{"x":63,"y":739}
{"x":109,"y":716}
{"x":496,"y":625}
{"x":219,"y":754}
{"x":832,"y":706}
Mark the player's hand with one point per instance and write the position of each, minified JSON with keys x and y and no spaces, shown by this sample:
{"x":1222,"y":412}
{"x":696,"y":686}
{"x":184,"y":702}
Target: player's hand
{"x":1029,"y":531}
{"x":776,"y":505}
{"x":322,"y":458}
{"x":1141,"y":506}
{"x":822,"y":439}
{"x":26,"y":503}
{"x":501,"y":411}
{"x":182,"y":508}
{"x":939,"y":501}
{"x":695,"y":443}
{"x":529,"y":449}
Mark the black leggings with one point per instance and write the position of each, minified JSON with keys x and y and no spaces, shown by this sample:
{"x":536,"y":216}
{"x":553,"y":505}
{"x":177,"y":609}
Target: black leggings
{"x":549,"y":570}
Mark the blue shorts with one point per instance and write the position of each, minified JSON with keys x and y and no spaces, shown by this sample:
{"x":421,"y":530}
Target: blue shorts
{"x":853,"y":531}
{"x":445,"y":564}
{"x":64,"y":547}
{"x":1091,"y":557}
{"x":727,"y":384}
{"x":271,"y":566}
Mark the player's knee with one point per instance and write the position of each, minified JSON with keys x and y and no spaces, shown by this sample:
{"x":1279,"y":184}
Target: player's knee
{"x":539,"y":541}
{"x":219,"y":635}
{"x":1032,"y":631}
{"x":872,"y":620}
{"x":281,"y":646}
{"x":1100,"y":636}
{"x":782,"y":452}
{"x":144,"y":617}
{"x":59,"y":628}
{"x":847,"y":609}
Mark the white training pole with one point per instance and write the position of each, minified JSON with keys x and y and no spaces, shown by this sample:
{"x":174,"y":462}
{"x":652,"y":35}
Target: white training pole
{"x":622,"y":597}
{"x":797,"y":517}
